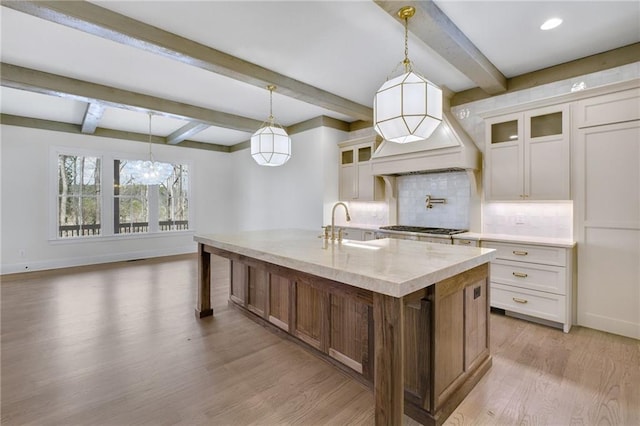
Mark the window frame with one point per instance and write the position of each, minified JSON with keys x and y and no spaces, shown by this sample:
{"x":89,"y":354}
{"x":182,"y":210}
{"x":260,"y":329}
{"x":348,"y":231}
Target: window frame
{"x":107,"y":197}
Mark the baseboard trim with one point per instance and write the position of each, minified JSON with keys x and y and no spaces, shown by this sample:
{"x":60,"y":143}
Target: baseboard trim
{"x":45,"y":265}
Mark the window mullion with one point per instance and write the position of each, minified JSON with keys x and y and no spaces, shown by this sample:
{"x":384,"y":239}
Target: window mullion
{"x":154,"y":211}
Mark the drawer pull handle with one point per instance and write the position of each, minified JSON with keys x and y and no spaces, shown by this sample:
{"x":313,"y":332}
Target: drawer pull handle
{"x":520,"y":275}
{"x":465,"y":242}
{"x":520,"y":253}
{"x":515,"y":299}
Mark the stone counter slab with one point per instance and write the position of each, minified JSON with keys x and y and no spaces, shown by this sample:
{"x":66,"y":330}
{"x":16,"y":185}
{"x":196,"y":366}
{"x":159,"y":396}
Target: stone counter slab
{"x":388,"y":266}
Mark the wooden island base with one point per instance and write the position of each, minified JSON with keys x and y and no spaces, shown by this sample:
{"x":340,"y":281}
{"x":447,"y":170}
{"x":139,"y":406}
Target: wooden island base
{"x":421,"y":353}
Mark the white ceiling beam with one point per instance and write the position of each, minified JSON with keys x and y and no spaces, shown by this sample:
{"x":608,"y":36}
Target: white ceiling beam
{"x":104,"y":23}
{"x":92,"y":117}
{"x":51,"y":84}
{"x":438,"y":32}
{"x":185,"y":132}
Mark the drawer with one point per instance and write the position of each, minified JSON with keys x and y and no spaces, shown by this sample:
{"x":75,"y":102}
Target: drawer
{"x":436,"y":240}
{"x":537,"y":304}
{"x":351,"y":234}
{"x":546,"y":278}
{"x":468,"y":243}
{"x":528,"y":253}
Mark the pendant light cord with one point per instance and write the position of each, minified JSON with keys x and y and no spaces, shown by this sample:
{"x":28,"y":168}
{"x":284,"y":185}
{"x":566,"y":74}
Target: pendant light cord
{"x":271,"y":89}
{"x":150,"y":154}
{"x":406,"y":62}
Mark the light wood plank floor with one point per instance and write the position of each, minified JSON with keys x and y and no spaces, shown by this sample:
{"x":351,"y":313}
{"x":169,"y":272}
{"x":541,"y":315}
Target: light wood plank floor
{"x":119,"y":345}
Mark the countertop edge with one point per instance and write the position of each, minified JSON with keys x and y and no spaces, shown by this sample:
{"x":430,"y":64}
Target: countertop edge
{"x":375,"y":284}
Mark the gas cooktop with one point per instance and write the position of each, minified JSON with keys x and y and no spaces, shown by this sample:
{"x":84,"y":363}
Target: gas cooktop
{"x":423,"y":230}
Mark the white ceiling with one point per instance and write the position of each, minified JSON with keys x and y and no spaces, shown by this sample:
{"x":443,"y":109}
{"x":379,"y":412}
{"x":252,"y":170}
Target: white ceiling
{"x":347,"y":48}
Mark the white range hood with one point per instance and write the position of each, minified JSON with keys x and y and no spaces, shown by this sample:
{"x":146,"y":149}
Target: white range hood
{"x":448,"y":148}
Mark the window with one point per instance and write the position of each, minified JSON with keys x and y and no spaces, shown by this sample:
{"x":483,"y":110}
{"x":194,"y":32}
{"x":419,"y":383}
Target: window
{"x":150,"y":208}
{"x":79,"y":196}
{"x":174,"y":200}
{"x":90,"y":203}
{"x":130,"y":199}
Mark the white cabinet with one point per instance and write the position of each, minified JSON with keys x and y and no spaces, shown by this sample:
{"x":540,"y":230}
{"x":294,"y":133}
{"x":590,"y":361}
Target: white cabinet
{"x":438,"y":240}
{"x":607,"y":211}
{"x":528,"y":155}
{"x":465,"y":242}
{"x":357,"y":181}
{"x":533,"y":280}
{"x":358,"y":234}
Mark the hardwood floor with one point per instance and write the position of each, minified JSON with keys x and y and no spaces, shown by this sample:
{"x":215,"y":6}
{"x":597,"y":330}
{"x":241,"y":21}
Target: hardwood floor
{"x":119,"y":344}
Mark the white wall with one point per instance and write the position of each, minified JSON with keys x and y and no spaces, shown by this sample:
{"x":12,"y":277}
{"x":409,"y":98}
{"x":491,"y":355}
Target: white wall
{"x":230,"y":192}
{"x":25,"y":199}
{"x":299,"y":194}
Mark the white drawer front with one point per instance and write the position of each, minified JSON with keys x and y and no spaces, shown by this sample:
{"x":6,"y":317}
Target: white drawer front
{"x":538,"y":304}
{"x":435,"y":240}
{"x":547,"y":278}
{"x":468,"y":243}
{"x":528,"y":253}
{"x":351,"y":234}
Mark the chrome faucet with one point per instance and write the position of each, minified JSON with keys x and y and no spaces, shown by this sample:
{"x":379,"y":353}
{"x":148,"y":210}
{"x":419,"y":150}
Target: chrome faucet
{"x":333,"y":218}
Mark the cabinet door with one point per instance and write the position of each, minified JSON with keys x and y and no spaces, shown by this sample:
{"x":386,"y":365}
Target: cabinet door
{"x":349,"y":332}
{"x":258,"y":281}
{"x":546,"y":154}
{"x":280,"y":288}
{"x":311,"y":323}
{"x":348,"y":183}
{"x":504,"y":174}
{"x":607,"y":214}
{"x":238,"y":288}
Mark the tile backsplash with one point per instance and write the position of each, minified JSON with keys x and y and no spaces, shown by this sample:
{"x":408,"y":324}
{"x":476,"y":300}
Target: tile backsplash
{"x":452,"y":186}
{"x":364,"y":214}
{"x":552,"y":220}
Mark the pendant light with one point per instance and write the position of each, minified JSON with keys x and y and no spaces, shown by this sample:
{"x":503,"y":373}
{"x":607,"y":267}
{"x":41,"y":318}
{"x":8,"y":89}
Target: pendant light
{"x":150,"y":172}
{"x":271,"y":145}
{"x":407,"y":108}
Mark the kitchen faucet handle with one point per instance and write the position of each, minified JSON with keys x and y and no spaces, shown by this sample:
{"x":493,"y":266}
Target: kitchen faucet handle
{"x":325,"y":232}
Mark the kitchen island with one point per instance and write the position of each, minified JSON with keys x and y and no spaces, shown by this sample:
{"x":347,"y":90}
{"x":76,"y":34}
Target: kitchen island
{"x":408,"y":318}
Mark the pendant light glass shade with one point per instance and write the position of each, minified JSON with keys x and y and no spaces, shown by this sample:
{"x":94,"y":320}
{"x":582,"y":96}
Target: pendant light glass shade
{"x":270,"y":144}
{"x":407,"y":108}
{"x":150,"y":172}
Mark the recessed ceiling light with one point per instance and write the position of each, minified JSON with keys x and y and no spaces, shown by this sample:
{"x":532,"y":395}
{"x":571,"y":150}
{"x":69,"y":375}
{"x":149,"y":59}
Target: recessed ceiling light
{"x":550,"y":24}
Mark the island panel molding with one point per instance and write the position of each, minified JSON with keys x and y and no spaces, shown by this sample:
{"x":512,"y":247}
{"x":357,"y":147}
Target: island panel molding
{"x":421,"y":352}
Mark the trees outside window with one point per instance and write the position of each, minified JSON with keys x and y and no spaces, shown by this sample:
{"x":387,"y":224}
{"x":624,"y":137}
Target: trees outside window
{"x":79,"y":196}
{"x":133,"y":207}
{"x":150,"y":208}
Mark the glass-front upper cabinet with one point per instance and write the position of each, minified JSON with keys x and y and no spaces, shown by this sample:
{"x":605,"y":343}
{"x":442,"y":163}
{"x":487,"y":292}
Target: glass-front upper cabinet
{"x":357,"y":182}
{"x":527,"y":155}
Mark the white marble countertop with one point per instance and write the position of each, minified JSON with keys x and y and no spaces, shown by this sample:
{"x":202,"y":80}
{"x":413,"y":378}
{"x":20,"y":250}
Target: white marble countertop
{"x":515,"y":239}
{"x":389,"y":266}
